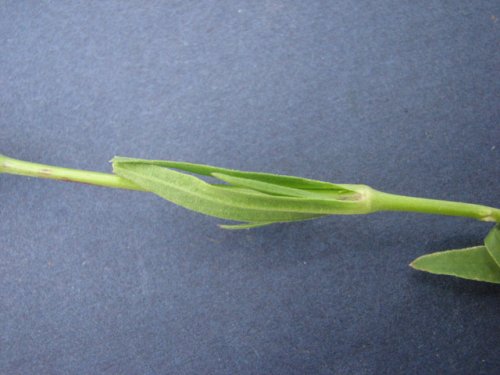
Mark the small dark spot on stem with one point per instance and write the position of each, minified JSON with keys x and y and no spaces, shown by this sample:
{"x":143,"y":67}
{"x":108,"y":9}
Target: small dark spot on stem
{"x":66,"y":179}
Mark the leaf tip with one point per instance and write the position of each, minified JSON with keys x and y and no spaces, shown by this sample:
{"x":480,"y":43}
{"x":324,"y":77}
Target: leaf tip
{"x":416,"y":263}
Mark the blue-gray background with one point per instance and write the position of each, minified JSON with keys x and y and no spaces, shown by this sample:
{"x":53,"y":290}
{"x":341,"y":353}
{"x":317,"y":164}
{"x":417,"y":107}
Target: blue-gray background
{"x":400,"y":95}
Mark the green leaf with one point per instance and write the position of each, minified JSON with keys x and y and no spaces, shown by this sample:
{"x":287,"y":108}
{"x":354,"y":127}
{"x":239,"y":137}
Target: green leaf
{"x":208,"y":170}
{"x":232,"y":203}
{"x":256,"y":202}
{"x":473,"y":263}
{"x":197,"y":195}
{"x":492,"y":243}
{"x":270,"y":188}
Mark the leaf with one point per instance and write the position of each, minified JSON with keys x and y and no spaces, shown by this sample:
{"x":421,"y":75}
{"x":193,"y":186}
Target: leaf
{"x":256,"y":199}
{"x":492,"y":243}
{"x":266,"y":187}
{"x":473,"y":263}
{"x":233,"y":203}
{"x":208,"y":170}
{"x":197,"y":195}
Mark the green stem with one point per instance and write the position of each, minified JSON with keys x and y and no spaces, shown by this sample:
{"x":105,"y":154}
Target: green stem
{"x":25,"y":168}
{"x":392,"y":202}
{"x":379,"y":201}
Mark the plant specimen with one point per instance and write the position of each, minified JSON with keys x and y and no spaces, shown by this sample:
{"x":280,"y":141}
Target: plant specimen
{"x":256,"y":199}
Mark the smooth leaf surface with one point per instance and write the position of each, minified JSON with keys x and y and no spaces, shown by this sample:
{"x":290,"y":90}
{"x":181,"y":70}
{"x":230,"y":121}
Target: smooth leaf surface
{"x":473,"y":263}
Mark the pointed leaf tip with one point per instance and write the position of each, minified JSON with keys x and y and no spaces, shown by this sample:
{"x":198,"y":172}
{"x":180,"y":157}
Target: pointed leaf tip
{"x":473,"y":263}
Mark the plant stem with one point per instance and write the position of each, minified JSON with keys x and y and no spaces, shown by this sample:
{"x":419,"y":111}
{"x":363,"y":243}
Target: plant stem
{"x":25,"y":168}
{"x":379,"y":201}
{"x":392,"y":202}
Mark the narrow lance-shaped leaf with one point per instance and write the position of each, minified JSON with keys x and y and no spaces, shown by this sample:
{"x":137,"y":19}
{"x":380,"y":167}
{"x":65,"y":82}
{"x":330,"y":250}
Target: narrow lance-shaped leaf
{"x":197,"y":195}
{"x":253,"y":201}
{"x":283,"y":190}
{"x":208,"y":170}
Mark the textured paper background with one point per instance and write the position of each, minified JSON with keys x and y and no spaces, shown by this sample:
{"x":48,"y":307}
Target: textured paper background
{"x":399,"y":95}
